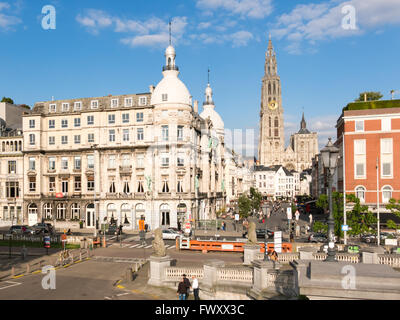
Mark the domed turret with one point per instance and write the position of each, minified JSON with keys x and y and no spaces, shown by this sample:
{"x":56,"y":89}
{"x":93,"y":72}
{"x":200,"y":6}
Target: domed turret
{"x":209,"y":112}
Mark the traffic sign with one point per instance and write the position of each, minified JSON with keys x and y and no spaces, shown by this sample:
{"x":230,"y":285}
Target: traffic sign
{"x":345,"y":227}
{"x":289,"y":213}
{"x":46,"y":241}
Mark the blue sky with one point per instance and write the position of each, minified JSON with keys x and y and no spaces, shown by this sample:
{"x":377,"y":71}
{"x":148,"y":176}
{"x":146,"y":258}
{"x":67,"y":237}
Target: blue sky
{"x":104,"y":47}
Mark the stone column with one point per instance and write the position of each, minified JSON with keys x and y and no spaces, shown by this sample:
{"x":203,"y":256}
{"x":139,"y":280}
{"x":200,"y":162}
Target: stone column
{"x":157,"y":269}
{"x":260,"y":277}
{"x":210,"y":278}
{"x":251,"y":253}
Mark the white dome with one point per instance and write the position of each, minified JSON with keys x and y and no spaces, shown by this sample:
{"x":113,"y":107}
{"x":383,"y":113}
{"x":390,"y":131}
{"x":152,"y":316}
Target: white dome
{"x":174,"y":88}
{"x":215,"y":118}
{"x":170,"y":51}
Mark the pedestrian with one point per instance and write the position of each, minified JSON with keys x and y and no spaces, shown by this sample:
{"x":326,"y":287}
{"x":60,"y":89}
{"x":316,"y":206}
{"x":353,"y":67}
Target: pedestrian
{"x":181,"y":292}
{"x":297,"y":214}
{"x":310,"y":217}
{"x":188,"y":286}
{"x":195,"y":286}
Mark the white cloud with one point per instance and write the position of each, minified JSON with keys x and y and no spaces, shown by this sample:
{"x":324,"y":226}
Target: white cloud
{"x":150,"y":32}
{"x":7,"y":21}
{"x":204,"y":25}
{"x":323,"y":21}
{"x":237,"y":39}
{"x":246,"y":8}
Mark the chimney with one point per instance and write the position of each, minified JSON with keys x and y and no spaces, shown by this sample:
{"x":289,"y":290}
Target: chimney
{"x":152,"y":88}
{"x":196,"y":106}
{"x":365,"y":97}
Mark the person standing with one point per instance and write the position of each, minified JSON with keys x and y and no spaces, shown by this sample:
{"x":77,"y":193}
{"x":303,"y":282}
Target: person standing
{"x":297,"y":215}
{"x":310,"y":217}
{"x":195,"y":286}
{"x":188,"y":286}
{"x":181,"y":292}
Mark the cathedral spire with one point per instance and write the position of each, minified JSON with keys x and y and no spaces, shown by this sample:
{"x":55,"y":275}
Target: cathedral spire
{"x":303,"y":124}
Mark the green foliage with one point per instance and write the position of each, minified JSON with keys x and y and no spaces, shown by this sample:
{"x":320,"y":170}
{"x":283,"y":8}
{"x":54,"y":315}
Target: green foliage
{"x":394,"y":207}
{"x":318,"y":226}
{"x":8,"y":100}
{"x":221,"y":211}
{"x":245,"y":206}
{"x":255,"y":198}
{"x":371,"y":96}
{"x":359,"y":219}
{"x":322,"y":202}
{"x":373,"y":105}
{"x":392,"y":225}
{"x":25,"y":106}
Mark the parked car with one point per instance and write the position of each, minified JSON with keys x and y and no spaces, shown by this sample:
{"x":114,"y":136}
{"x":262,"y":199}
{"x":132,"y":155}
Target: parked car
{"x":23,"y":230}
{"x":317,"y":237}
{"x":169,"y":234}
{"x":51,"y":229}
{"x":41,"y":228}
{"x":111,"y":229}
{"x":261,"y":233}
{"x":373,"y":238}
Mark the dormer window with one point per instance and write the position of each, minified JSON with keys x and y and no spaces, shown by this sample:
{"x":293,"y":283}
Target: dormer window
{"x":52,"y":108}
{"x":143,"y":101}
{"x":114,"y":103}
{"x":94,"y":104}
{"x":165,"y":97}
{"x":65,"y":107}
{"x":78,"y":106}
{"x":128,"y":102}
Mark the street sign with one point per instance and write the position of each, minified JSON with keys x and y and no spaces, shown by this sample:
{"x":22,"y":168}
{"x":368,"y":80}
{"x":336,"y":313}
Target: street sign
{"x":236,"y":217}
{"x":278,"y":241}
{"x":345,"y":227}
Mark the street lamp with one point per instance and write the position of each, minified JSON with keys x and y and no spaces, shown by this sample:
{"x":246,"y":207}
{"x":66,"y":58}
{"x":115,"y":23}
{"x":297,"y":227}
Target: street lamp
{"x":330,"y":155}
{"x":96,"y":205}
{"x":264,"y":208}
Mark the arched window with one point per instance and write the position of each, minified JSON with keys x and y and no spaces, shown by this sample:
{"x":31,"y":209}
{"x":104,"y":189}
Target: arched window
{"x":360,"y":193}
{"x":48,"y":211}
{"x":386,"y":194}
{"x":270,"y":121}
{"x":274,"y":88}
{"x":75,"y":211}
{"x":61,"y":211}
{"x":125,"y":213}
{"x":111,"y":212}
{"x":269,"y":88}
{"x":32,"y":209}
{"x":276,"y":122}
{"x":164,"y":213}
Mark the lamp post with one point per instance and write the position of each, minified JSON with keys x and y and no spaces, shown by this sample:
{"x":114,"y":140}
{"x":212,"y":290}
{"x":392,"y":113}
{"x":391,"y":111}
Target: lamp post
{"x":330,"y":155}
{"x":96,"y":205}
{"x":264,"y":208}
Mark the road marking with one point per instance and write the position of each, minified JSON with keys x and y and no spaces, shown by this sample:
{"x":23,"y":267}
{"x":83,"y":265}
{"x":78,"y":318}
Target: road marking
{"x":12,"y":284}
{"x":120,"y":287}
{"x":122,"y":294}
{"x":19,"y":276}
{"x":112,"y":238}
{"x":140,"y":246}
{"x":125,"y":245}
{"x":108,"y":298}
{"x":134,"y":246}
{"x":148,"y":246}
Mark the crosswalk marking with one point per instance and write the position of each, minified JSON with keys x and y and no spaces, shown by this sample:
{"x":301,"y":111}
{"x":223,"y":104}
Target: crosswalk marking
{"x":134,"y":246}
{"x":148,"y":246}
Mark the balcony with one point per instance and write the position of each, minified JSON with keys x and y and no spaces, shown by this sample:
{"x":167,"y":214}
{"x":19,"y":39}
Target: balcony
{"x":125,"y":170}
{"x":168,"y":68}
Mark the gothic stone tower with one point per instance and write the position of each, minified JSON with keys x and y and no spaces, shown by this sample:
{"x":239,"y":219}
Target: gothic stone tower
{"x":272,"y":141}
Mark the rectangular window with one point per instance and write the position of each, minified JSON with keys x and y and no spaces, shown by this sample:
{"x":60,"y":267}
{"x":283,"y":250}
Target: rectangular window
{"x":52,"y":163}
{"x":90,"y":183}
{"x":125,"y":118}
{"x":77,"y":122}
{"x":180,"y":133}
{"x":387,"y":157}
{"x":32,"y":164}
{"x":31,"y":124}
{"x":65,"y":107}
{"x":52,"y":140}
{"x":64,"y":123}
{"x":12,"y":189}
{"x":164,"y":159}
{"x":111,"y":162}
{"x":180,"y":159}
{"x":359,"y":125}
{"x":78,"y":106}
{"x":52,"y":108}
{"x":128,"y":102}
{"x":94,"y":104}
{"x":114,"y":103}
{"x":386,"y":146}
{"x":90,"y":137}
{"x":64,"y":186}
{"x":360,"y":159}
{"x":359,"y":147}
{"x":139,"y":117}
{"x":164,"y":97}
{"x":126,"y":160}
{"x":111,"y":135}
{"x":164,"y":132}
{"x":77,"y":163}
{"x":142,"y":101}
{"x":111,"y":119}
{"x":140,"y":160}
{"x":64,"y":139}
{"x":90,"y":120}
{"x":77,"y":184}
{"x":140,"y":134}
{"x":77,"y":139}
{"x":386,"y":124}
{"x":126,"y":135}
{"x":52,"y":184}
{"x":32,"y":184}
{"x":64,"y":163}
{"x":90,"y":161}
{"x":32,"y":139}
{"x":52,"y":124}
{"x":360,"y":170}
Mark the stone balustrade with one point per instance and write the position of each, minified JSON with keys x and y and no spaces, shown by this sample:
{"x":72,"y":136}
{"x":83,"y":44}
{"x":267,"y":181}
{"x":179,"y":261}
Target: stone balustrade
{"x":175,"y":273}
{"x":342,"y":257}
{"x":392,"y":260}
{"x":235,"y":274}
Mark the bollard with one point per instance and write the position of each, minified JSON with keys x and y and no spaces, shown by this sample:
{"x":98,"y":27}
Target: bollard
{"x":128,"y":275}
{"x":12,"y":271}
{"x":80,"y":255}
{"x":28,"y":268}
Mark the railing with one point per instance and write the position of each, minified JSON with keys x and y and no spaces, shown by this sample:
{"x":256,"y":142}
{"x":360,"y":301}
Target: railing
{"x":175,"y":273}
{"x":343,"y":257}
{"x":392,"y":260}
{"x":235,"y":274}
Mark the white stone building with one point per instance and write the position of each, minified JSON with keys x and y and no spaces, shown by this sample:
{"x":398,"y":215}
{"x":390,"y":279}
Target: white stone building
{"x":124,"y":157}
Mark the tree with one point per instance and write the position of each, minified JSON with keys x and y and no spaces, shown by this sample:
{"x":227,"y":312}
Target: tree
{"x":319,"y":226}
{"x":8,"y":100}
{"x":255,"y":198}
{"x":244,"y":206}
{"x":394,"y":207}
{"x":392,"y":225}
{"x":322,"y":202}
{"x":360,"y":220}
{"x":371,"y":96}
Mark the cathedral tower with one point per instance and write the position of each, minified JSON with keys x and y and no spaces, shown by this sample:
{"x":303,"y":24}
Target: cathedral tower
{"x":272,"y":140}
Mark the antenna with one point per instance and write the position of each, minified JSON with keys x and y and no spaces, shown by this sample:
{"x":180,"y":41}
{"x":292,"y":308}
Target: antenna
{"x":170,"y":32}
{"x":208,"y":75}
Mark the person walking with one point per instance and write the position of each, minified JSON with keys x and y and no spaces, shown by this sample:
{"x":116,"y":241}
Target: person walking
{"x":195,"y":286}
{"x":188,"y":286}
{"x":297,"y":215}
{"x":182,"y":289}
{"x":310,"y":217}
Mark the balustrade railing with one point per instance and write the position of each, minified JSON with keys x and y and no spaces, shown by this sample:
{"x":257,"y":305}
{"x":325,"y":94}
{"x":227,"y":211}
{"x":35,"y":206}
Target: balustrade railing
{"x":235,"y":274}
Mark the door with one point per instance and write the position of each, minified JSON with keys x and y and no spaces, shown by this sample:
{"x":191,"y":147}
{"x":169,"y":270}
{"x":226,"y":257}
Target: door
{"x":90,"y":218}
